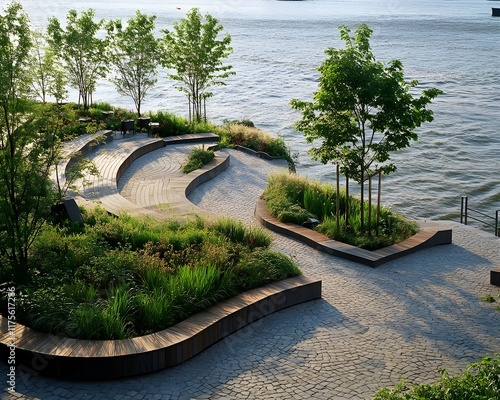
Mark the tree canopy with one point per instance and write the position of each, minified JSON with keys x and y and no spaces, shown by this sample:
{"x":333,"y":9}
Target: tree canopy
{"x":24,"y":186}
{"x":135,"y":56}
{"x":194,"y":50}
{"x":363,"y":110}
{"x":30,"y":148}
{"x":82,"y":52}
{"x":48,"y":78}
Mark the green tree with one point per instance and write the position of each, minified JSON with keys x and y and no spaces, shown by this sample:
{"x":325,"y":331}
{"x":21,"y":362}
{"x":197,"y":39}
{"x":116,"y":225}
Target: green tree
{"x":48,"y":79}
{"x":135,"y":56}
{"x":194,"y":50}
{"x":82,"y":52}
{"x":21,"y":177}
{"x":363,"y":110}
{"x":30,"y":148}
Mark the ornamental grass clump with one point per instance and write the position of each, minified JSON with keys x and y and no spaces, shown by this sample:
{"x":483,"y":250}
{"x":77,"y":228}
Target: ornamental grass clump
{"x":245,"y":135}
{"x":128,"y":277}
{"x":295,"y":199}
{"x":197,"y":158}
{"x":239,"y":233}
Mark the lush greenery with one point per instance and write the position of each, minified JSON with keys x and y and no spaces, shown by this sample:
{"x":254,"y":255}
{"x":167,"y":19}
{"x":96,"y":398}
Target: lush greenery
{"x":231,"y":133}
{"x":480,"y":380}
{"x":292,"y":198}
{"x":194,"y":49}
{"x":244,"y":133}
{"x":362,"y":112}
{"x":197,"y":158}
{"x":31,"y":136}
{"x":80,"y":50}
{"x":135,"y":55}
{"x":168,"y":124}
{"x":121,"y":277}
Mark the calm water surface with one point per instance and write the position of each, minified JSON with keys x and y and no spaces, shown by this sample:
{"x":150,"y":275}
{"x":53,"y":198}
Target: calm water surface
{"x":451,"y":45}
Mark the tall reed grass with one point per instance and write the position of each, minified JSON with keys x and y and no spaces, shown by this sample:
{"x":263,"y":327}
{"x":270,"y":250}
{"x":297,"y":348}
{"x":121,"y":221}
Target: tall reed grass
{"x":292,"y":198}
{"x":129,"y":276}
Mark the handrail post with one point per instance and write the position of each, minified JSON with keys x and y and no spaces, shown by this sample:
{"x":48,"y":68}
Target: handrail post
{"x":496,"y":222}
{"x":463,"y":210}
{"x":466,"y":209}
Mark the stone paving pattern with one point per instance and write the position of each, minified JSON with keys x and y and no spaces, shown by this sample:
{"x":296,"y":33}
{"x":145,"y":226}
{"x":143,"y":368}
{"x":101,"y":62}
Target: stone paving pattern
{"x":373,"y":326}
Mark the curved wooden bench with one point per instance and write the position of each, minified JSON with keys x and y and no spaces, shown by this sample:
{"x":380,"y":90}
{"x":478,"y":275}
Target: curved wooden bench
{"x":63,"y":357}
{"x":427,"y":236}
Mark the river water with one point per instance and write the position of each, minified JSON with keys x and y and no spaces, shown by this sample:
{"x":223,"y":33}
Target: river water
{"x":449,"y":44}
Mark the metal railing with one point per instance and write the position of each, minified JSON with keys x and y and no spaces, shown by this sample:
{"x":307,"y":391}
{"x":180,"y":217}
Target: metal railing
{"x":479,"y":216}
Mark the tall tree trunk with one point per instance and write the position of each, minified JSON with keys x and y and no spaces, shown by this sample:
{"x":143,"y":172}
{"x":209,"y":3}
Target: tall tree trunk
{"x":337,"y":208}
{"x":362,"y":200}
{"x":369,"y":222}
{"x":379,"y":192}
{"x":189,"y":104}
{"x":347,"y":200}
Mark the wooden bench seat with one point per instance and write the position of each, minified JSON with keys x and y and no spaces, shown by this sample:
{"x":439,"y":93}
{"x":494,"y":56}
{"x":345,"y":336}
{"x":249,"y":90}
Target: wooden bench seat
{"x":427,"y":236}
{"x":64,"y":357}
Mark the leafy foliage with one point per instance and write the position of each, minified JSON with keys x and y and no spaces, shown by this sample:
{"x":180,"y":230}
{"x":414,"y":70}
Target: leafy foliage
{"x":121,"y":277}
{"x":294,"y":199}
{"x":135,"y":56}
{"x":246,"y":135}
{"x":197,"y":158}
{"x":480,"y":380}
{"x":363,"y":110}
{"x":82,"y":52}
{"x":48,"y":78}
{"x":29,"y":147}
{"x":193,"y":49}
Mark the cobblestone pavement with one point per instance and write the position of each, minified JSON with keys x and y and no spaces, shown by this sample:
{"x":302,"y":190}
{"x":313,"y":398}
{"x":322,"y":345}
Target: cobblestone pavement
{"x":151,"y":171}
{"x":372,"y":327}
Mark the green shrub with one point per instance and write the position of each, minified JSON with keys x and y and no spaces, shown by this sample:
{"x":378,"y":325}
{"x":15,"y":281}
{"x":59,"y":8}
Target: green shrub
{"x":55,"y":251}
{"x":488,"y":298}
{"x":294,"y":214}
{"x":294,"y":199}
{"x":113,"y":278}
{"x":114,"y":267}
{"x":108,"y":318}
{"x":238,"y":134}
{"x":197,"y":158}
{"x":230,"y":228}
{"x":245,"y":122}
{"x":170,"y":124}
{"x":480,"y":380}
{"x":153,"y":309}
{"x":237,"y":232}
{"x":205,"y":127}
{"x":262,"y":267}
{"x":45,"y":309}
{"x":195,"y":288}
{"x":102,"y":106}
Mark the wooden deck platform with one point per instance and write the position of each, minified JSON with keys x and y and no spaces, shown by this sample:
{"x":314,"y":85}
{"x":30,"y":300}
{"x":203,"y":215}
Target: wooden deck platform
{"x":64,"y":357}
{"x":427,"y":236}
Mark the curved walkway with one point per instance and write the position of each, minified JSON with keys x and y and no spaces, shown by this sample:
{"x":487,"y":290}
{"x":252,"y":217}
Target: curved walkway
{"x":373,"y":327}
{"x":161,"y":192}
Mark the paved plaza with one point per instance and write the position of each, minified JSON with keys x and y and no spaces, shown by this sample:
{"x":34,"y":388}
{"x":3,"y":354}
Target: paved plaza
{"x":373,"y":326}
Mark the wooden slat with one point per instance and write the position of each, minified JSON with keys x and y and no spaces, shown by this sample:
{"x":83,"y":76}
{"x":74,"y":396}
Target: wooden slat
{"x":425,"y":238}
{"x":99,"y":359}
